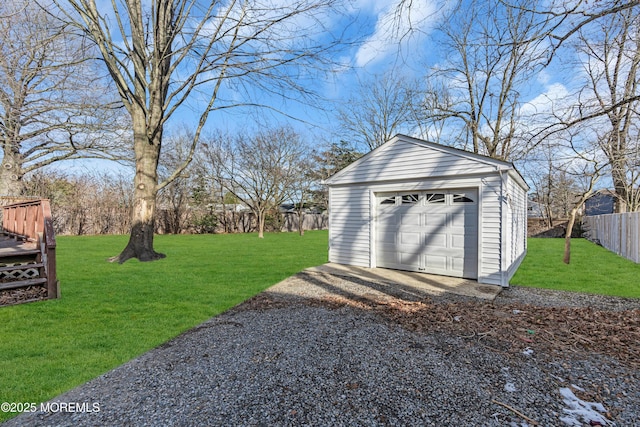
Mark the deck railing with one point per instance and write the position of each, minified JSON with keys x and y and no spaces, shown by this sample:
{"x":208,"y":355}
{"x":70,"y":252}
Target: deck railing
{"x":31,"y":221}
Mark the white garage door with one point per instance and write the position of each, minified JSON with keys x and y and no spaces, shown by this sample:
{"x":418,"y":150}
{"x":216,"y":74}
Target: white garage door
{"x":429,"y":231}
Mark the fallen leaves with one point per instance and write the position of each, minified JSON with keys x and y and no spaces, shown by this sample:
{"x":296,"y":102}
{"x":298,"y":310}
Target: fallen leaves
{"x":511,"y":328}
{"x":22,"y":295}
{"x":555,"y":329}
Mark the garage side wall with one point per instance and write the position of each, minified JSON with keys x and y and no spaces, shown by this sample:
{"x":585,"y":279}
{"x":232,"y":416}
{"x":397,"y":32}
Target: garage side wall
{"x":349,"y":225}
{"x":490,"y":271}
{"x":516,"y":245}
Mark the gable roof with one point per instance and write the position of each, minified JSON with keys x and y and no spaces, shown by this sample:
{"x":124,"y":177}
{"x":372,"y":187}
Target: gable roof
{"x":405,"y":157}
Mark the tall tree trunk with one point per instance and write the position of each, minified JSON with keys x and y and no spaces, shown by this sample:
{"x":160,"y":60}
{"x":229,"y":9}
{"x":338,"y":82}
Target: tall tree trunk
{"x":301,"y":222}
{"x":622,"y":193}
{"x":11,"y":173}
{"x":147,"y":153}
{"x":261,"y":215}
{"x":567,"y":237}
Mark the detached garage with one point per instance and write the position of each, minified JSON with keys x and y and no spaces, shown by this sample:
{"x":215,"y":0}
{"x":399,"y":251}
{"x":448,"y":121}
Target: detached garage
{"x":418,"y":206}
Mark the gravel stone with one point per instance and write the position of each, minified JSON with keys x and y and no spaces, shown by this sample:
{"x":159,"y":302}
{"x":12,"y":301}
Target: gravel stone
{"x":290,"y":360}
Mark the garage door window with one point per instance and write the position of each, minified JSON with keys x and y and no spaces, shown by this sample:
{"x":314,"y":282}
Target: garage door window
{"x":388,"y":201}
{"x":462,"y":198}
{"x":410,"y":199}
{"x":434,"y":197}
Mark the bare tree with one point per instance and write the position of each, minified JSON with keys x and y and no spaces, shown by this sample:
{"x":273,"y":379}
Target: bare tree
{"x":160,"y":55}
{"x":175,"y":199}
{"x":541,"y":173}
{"x":301,"y":190}
{"x":556,"y":23}
{"x":587,"y":169}
{"x":89,"y":203}
{"x":52,"y":105}
{"x":564,"y":19}
{"x":492,"y":55}
{"x":260,"y":170}
{"x":611,"y":48}
{"x":382,"y":107}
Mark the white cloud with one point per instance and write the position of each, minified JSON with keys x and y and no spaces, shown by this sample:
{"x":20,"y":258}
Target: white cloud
{"x":554,"y":96}
{"x":397,"y":25}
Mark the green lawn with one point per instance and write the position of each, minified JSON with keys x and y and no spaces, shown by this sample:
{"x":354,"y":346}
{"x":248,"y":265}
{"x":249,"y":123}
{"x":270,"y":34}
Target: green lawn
{"x":593,"y":269}
{"x":110,"y":313}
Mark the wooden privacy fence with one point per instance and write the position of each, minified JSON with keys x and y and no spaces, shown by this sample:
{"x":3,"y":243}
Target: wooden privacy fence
{"x":620,"y":233}
{"x":310,"y":221}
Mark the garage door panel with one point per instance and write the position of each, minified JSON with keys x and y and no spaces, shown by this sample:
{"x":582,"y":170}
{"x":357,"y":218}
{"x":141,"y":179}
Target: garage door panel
{"x":464,"y":221}
{"x":411,"y":219}
{"x":387,"y":220}
{"x":457,"y":263}
{"x":435,"y":262}
{"x":387,"y":237}
{"x":391,"y":248}
{"x":409,"y":258}
{"x":439,"y":238}
{"x":387,"y":257}
{"x":434,"y":220}
{"x":435,"y":241}
{"x":460,"y":241}
{"x":410,"y":238}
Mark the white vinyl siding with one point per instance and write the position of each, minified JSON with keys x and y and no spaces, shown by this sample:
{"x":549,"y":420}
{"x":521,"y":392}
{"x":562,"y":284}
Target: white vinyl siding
{"x":491,"y":225}
{"x":517,"y":221}
{"x":405,"y":160}
{"x":349,"y":212}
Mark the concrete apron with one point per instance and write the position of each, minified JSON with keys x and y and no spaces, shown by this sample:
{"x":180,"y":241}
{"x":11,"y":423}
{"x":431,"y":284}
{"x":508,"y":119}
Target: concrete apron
{"x":419,"y":283}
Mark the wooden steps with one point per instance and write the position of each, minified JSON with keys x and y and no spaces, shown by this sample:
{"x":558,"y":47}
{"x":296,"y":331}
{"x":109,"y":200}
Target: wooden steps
{"x":23,"y":283}
{"x":27,"y":250}
{"x":21,"y":266}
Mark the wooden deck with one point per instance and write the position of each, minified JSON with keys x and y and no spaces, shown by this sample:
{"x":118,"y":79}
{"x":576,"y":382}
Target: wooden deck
{"x":12,"y":247}
{"x":28,"y":248}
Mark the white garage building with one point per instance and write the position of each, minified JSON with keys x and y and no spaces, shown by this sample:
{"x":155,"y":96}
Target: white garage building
{"x":419,"y":206}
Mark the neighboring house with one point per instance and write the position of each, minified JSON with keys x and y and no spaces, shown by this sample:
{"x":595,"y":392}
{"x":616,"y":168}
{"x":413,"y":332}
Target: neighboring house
{"x":230,"y":207}
{"x":420,"y":206}
{"x":534,"y":209}
{"x":601,"y":203}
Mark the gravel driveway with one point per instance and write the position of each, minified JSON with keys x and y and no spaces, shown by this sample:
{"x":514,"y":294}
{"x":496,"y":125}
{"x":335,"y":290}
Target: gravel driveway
{"x":314,"y":357}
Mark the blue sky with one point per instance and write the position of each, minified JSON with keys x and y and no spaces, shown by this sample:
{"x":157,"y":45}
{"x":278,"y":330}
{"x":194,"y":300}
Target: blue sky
{"x":384,"y":43}
{"x":405,"y":46}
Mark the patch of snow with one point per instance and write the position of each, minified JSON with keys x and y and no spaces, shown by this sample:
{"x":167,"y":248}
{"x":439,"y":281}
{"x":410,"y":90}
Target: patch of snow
{"x":577,"y":387}
{"x":527,"y":351}
{"x":579,"y":411}
{"x":510,"y":387}
{"x":457,"y":318}
{"x":515,"y":311}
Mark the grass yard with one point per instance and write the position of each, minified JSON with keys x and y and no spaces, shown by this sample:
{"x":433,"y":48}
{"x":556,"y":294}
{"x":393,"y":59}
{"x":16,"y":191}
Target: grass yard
{"x":593,"y":269}
{"x":111,"y":313}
